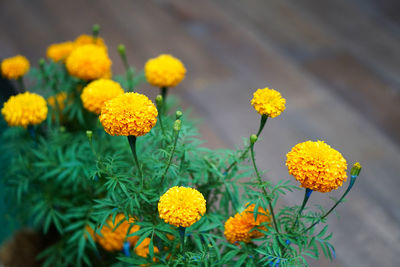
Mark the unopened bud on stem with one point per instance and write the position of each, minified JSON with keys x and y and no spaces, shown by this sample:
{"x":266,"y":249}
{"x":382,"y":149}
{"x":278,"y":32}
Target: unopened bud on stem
{"x":356,"y":169}
{"x":159,"y":101}
{"x":253,"y":139}
{"x":96,"y":30}
{"x":178,"y":114}
{"x":89,"y":135}
{"x":177,"y":125}
{"x":122,"y":50}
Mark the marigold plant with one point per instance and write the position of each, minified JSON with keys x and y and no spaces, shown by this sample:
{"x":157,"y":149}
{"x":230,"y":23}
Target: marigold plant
{"x":157,"y":197}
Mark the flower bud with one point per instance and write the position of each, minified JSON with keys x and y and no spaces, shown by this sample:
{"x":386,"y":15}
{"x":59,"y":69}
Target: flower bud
{"x":355,"y":170}
{"x":41,"y":62}
{"x":122,"y":50}
{"x":253,"y":139}
{"x":177,"y":125}
{"x":178,"y":114}
{"x":96,"y":30}
{"x":89,"y":135}
{"x":159,"y":101}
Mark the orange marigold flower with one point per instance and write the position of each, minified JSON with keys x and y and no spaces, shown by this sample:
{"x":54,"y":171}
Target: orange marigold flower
{"x":96,"y":93}
{"x":60,"y":51}
{"x":15,"y":67}
{"x":128,"y":114}
{"x":268,"y":102}
{"x":25,"y":109}
{"x":240,"y":227}
{"x":164,"y":71}
{"x":111,"y":238}
{"x":181,"y":206}
{"x":317,"y":166}
{"x":88,"y":62}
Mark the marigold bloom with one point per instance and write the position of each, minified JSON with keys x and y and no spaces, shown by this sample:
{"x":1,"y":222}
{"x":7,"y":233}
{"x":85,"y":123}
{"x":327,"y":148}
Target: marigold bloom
{"x":239,"y":228}
{"x":268,"y":102}
{"x":60,"y":98}
{"x":317,"y":166}
{"x":14,"y":67}
{"x":85,"y":39}
{"x":88,"y":62}
{"x":113,"y":239}
{"x":60,"y":51}
{"x":25,"y":109}
{"x":96,"y":93}
{"x":164,"y":71}
{"x":128,"y":114}
{"x":143,"y":249}
{"x":181,"y":206}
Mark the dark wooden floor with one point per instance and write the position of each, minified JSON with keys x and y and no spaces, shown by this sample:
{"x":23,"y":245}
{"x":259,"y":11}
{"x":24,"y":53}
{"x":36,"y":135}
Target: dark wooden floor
{"x":336,"y":62}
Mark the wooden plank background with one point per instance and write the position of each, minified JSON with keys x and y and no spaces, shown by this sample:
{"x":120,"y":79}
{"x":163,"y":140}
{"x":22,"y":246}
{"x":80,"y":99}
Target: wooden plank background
{"x":336,"y":62}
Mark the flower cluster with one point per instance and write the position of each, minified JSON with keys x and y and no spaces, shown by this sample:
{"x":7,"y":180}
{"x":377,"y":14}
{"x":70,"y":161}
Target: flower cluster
{"x":96,"y":93}
{"x":89,"y":62}
{"x":25,"y":109}
{"x":14,"y":67}
{"x":317,"y":166}
{"x":242,"y":227}
{"x":181,"y":206}
{"x":128,"y":114}
{"x":268,"y":102}
{"x":164,"y":71}
{"x":111,"y":237}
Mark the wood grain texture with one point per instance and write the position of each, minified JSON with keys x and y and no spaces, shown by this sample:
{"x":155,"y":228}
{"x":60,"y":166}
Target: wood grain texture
{"x":336,"y":62}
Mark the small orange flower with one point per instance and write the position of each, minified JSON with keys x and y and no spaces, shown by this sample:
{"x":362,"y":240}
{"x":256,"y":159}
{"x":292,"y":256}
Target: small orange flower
{"x":239,"y":227}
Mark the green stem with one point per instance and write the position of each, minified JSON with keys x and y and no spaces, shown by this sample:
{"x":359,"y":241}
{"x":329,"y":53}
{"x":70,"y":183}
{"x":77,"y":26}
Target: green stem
{"x":132,"y":143}
{"x":267,"y":197}
{"x":352,"y":181}
{"x":164,"y":92}
{"x":170,"y":158}
{"x":263,"y":121}
{"x":21,"y":84}
{"x":182,"y":231}
{"x":161,"y":123}
{"x":307,"y":194}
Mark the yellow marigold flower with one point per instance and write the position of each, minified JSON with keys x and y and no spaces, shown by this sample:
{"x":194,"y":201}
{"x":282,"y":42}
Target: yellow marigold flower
{"x":143,"y":249}
{"x":96,"y":93}
{"x":60,"y":51}
{"x":164,"y":71}
{"x":128,"y":114}
{"x":268,"y":102}
{"x":239,"y":228}
{"x":317,"y":166}
{"x":60,"y":98}
{"x":181,"y":206}
{"x":111,"y":238}
{"x":85,"y":39}
{"x":15,"y":67}
{"x":88,"y":62}
{"x":25,"y":109}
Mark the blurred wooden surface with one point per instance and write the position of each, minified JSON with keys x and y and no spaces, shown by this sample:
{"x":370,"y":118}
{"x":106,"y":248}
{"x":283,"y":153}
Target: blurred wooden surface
{"x":336,"y":62}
